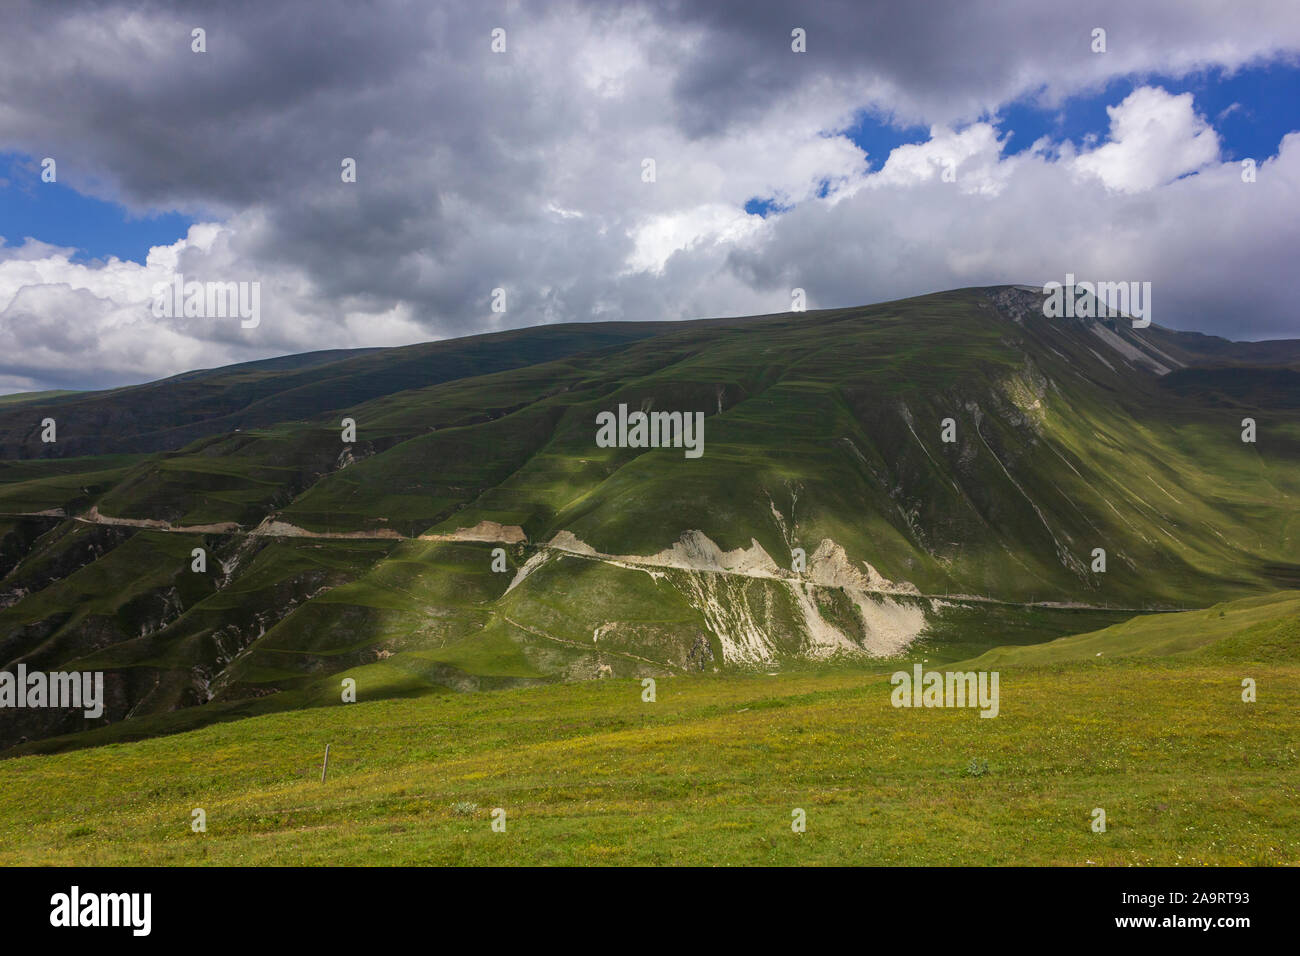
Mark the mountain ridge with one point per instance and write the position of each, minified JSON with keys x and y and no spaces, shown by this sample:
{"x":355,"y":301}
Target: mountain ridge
{"x":825,"y":434}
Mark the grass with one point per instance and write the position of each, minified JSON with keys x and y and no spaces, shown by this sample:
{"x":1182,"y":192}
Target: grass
{"x":19,"y":398}
{"x":710,"y":774}
{"x":1264,"y":628}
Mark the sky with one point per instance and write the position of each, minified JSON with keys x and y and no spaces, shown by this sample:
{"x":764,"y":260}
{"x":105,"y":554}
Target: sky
{"x":907,"y":148}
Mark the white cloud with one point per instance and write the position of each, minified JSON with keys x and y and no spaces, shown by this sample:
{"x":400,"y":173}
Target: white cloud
{"x":1212,"y":245}
{"x":661,"y":236}
{"x":1155,"y":137}
{"x":971,"y":159}
{"x":83,"y":325}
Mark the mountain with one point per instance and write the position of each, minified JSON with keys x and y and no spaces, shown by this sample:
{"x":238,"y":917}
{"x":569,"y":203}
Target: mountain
{"x":168,"y":414}
{"x":826,"y":517}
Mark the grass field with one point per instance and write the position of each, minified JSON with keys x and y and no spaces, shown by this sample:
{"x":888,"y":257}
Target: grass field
{"x":711,"y":771}
{"x":1260,"y":628}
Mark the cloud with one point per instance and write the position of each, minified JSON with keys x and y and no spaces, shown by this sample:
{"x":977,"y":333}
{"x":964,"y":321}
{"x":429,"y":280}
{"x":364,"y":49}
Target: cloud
{"x":1213,"y":245}
{"x":522,"y":170}
{"x":1154,"y":138}
{"x":942,"y":63}
{"x":66,"y":324}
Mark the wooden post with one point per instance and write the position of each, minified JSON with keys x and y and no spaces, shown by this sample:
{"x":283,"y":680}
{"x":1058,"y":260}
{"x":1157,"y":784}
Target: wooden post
{"x":326,"y":765}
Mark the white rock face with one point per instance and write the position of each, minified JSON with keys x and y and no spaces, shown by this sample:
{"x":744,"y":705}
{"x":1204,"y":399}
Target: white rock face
{"x":529,"y":566}
{"x":1129,"y":352}
{"x":696,"y":551}
{"x":715,"y":585}
{"x":830,"y":565}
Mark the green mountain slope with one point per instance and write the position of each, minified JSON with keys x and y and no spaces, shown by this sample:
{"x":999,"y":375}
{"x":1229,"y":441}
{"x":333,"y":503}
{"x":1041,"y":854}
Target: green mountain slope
{"x":826,"y":519}
{"x":1259,"y":628}
{"x":172,"y":412}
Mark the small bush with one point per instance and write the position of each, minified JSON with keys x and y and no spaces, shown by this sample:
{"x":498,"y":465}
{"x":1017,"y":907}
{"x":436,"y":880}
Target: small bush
{"x":977,"y":768}
{"x":464,"y":809}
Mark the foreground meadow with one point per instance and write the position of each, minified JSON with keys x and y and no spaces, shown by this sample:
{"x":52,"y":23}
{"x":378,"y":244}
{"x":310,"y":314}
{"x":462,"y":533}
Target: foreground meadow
{"x":711,"y":773}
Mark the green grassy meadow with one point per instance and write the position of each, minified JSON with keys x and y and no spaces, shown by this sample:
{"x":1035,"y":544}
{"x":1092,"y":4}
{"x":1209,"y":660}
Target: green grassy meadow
{"x":711,"y":771}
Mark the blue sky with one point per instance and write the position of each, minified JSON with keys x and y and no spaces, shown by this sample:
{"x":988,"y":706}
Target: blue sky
{"x":57,"y":214}
{"x":1251,"y":110}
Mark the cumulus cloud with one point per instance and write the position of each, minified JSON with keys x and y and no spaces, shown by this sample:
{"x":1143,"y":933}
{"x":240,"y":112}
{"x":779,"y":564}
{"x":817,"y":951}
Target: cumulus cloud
{"x":68,"y":324}
{"x":1154,"y":138}
{"x":1031,"y":217}
{"x":523,"y":170}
